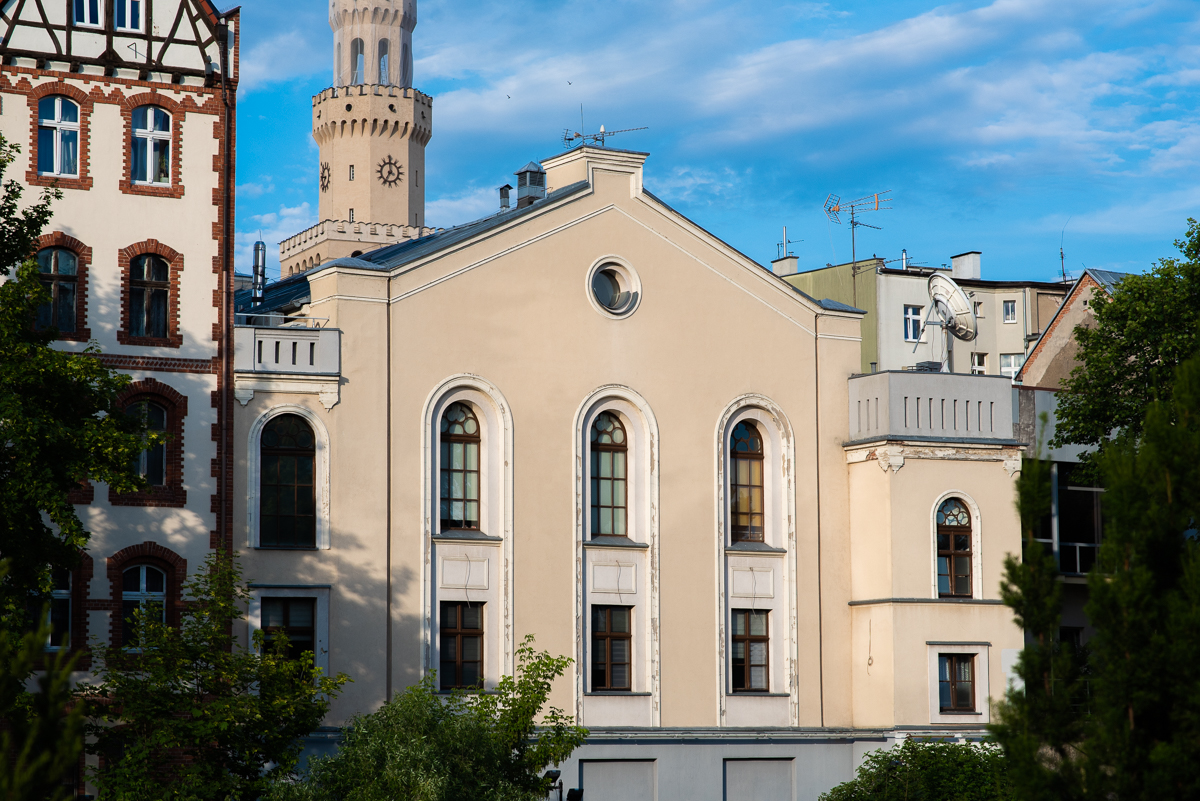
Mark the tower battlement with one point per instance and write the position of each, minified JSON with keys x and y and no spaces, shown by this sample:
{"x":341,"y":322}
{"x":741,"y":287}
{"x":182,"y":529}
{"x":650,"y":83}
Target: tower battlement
{"x":388,"y":112}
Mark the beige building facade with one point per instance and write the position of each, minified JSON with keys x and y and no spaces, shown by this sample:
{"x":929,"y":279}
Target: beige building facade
{"x":590,"y":420}
{"x":129,"y":109}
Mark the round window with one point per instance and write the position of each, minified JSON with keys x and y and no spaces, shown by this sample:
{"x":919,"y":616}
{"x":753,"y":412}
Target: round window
{"x":613,"y":288}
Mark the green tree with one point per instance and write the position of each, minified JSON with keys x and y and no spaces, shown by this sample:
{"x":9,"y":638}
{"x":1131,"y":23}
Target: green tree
{"x":929,"y":770}
{"x":423,"y":746}
{"x":43,"y":736}
{"x":186,"y":713}
{"x":1123,"y":720}
{"x":60,"y":422}
{"x":1148,"y":327}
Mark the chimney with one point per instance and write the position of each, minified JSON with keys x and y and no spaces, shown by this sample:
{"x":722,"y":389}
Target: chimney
{"x":788,"y":265}
{"x":504,"y":190}
{"x":531,"y":184}
{"x":966,"y":265}
{"x":904,"y":259}
{"x":259,"y":281}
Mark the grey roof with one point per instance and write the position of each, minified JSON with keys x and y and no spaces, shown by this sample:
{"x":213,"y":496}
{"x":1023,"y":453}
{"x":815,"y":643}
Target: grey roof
{"x":290,"y":292}
{"x":837,"y":305}
{"x":532,"y":166}
{"x":1106,"y":278}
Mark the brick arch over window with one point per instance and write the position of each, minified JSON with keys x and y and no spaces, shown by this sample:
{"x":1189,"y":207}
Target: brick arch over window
{"x":83,"y":257}
{"x":172,"y":493}
{"x":176,"y":111}
{"x":125,"y":256}
{"x":84,"y":181}
{"x":147,"y":553}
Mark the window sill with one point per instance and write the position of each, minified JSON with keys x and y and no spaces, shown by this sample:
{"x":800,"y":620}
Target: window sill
{"x":286,"y":548}
{"x":619,"y":693}
{"x":756,"y":694}
{"x":465,"y":535}
{"x":959,"y":712}
{"x":614,"y":542}
{"x":759,"y":547}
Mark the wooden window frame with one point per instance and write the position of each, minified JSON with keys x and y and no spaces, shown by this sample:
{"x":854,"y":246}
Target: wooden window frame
{"x":951,"y":553}
{"x":747,"y":639}
{"x":607,"y":636}
{"x":142,"y":596}
{"x":595,"y":448}
{"x":83,"y":261}
{"x":86,"y":103}
{"x":147,"y":286}
{"x":953,"y":660}
{"x":446,"y":472}
{"x":287,"y":627}
{"x":458,"y":632}
{"x":53,"y":281}
{"x":311,"y":453}
{"x":172,"y":493}
{"x":744,"y":533}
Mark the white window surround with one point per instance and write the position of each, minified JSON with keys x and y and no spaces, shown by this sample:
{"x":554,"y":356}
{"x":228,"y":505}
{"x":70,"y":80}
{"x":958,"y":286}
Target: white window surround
{"x":913,"y":330}
{"x":636,"y":584}
{"x":779,"y":501}
{"x":495,"y":519}
{"x":320,"y":475}
{"x":627,"y":277}
{"x":982,"y":652}
{"x":320,"y":625}
{"x":1010,"y":311}
{"x":976,"y":543}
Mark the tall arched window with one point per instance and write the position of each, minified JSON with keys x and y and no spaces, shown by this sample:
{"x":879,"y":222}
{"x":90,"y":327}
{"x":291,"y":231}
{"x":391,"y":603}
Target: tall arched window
{"x":142,"y":587}
{"x":384,"y":74}
{"x":151,"y":463}
{"x":58,"y":136}
{"x":746,"y":483}
{"x":151,"y":146}
{"x":358,"y":64}
{"x":459,"y":467}
{"x":149,"y":287}
{"x":287,"y":491}
{"x":954,"y":549}
{"x":59,"y":269}
{"x":609,"y":476}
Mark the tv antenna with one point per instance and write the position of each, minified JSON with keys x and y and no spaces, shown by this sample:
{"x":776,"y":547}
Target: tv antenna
{"x":834,"y":207}
{"x":570,"y":136}
{"x":955,"y":315}
{"x":1062,"y":258}
{"x":782,"y":249}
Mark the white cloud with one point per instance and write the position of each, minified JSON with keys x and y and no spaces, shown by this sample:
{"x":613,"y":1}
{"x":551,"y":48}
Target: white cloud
{"x":256,"y":189}
{"x":462,"y":207}
{"x":284,"y":56}
{"x":272,"y":228}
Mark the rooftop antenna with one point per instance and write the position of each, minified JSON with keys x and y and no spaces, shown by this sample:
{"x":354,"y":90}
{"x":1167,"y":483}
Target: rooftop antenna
{"x":834,"y":207}
{"x":1062,"y":258}
{"x":955,"y":315}
{"x":569,"y":136}
{"x":782,"y":249}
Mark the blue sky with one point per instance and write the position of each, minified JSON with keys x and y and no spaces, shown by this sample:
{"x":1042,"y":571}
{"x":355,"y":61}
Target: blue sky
{"x":994,"y":124}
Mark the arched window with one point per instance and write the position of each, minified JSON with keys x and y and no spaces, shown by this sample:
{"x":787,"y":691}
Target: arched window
{"x":384,"y":75}
{"x":149,"y":287}
{"x":954,"y":549}
{"x":58,"y":136}
{"x":151,"y":463}
{"x":142,"y":587}
{"x":151,"y":146}
{"x":287,"y":490}
{"x":609,"y":476}
{"x":59,"y":269}
{"x":358,"y":62}
{"x":337,"y":70}
{"x":405,"y":65}
{"x":459,"y":463}
{"x":746,"y":483}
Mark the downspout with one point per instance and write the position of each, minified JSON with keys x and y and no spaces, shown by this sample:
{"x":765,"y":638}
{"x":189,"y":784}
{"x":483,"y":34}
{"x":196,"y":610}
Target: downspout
{"x":388,"y":484}
{"x":817,"y":457}
{"x":223,"y":490}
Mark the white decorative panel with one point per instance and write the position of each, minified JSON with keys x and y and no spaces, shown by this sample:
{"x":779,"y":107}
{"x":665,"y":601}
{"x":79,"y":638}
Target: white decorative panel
{"x":614,"y":578}
{"x":753,"y":582}
{"x":463,"y":573}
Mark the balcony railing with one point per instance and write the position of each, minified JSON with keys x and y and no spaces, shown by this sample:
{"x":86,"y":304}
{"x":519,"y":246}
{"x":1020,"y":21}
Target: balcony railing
{"x":937,"y":406}
{"x":300,"y":346}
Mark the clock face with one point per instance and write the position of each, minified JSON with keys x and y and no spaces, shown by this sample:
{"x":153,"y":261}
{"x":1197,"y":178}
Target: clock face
{"x":324,"y":176}
{"x":389,"y":171}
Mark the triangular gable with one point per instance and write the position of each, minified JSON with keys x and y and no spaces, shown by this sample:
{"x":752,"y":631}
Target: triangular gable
{"x":1059,"y":336}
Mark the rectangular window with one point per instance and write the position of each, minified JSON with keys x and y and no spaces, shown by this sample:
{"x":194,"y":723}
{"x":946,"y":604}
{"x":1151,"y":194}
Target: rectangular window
{"x":59,"y":614}
{"x":462,"y":645}
{"x":612,"y":647}
{"x":87,"y":12}
{"x":129,"y":14}
{"x":912,"y":323}
{"x":351,"y":173}
{"x":1080,"y":522}
{"x":294,"y":617}
{"x":956,"y":682}
{"x":751,"y":647}
{"x":1010,"y":311}
{"x":979,"y":364}
{"x":351,"y":215}
{"x":1010,"y":363}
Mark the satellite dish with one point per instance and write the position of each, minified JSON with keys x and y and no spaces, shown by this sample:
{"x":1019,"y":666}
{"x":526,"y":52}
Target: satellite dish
{"x":953,"y":306}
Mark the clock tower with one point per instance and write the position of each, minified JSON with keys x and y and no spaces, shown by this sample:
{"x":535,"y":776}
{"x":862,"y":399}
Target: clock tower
{"x":371,"y":127}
